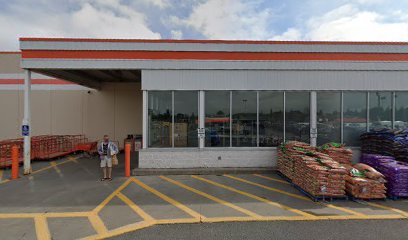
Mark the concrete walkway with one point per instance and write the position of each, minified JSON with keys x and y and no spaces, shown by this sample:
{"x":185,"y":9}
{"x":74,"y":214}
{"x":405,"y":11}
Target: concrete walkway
{"x":66,"y":200}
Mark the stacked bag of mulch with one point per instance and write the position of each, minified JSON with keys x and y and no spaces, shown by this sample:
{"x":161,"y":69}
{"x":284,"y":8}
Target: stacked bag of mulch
{"x":338,"y":152}
{"x":386,"y":142}
{"x":319,"y":175}
{"x":287,"y":154}
{"x":395,"y":172}
{"x":364,"y":182}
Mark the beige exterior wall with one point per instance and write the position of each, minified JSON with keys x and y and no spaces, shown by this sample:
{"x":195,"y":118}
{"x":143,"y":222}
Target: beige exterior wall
{"x":115,"y":110}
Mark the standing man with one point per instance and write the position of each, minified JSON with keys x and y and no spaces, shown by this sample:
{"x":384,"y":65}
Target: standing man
{"x":106,"y":150}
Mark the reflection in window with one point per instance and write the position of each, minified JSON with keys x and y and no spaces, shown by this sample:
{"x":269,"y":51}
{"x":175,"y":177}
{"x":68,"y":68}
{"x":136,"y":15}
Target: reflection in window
{"x":217,"y":119}
{"x":328,"y":117}
{"x":354,"y":117}
{"x":270,"y":118}
{"x":185,"y":118}
{"x":297,"y":116}
{"x":401,"y":110}
{"x":380,"y":110}
{"x":160,"y":118}
{"x":244,"y":120}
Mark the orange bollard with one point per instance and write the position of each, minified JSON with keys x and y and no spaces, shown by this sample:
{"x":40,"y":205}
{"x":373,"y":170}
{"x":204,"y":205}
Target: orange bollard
{"x":14,"y":162}
{"x":127,"y":160}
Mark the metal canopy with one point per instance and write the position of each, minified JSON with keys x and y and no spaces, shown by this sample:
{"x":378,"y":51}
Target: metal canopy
{"x":92,"y":78}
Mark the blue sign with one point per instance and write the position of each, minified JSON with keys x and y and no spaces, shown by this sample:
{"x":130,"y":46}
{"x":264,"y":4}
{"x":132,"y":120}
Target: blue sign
{"x":25,"y":130}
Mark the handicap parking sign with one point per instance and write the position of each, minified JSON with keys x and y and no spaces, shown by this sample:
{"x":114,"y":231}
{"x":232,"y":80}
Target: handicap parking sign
{"x":25,"y":130}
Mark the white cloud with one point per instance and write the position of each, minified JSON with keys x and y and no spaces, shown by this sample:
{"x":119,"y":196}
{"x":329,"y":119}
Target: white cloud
{"x":93,"y":18}
{"x":229,"y":19}
{"x":176,"y":34}
{"x":349,"y":23}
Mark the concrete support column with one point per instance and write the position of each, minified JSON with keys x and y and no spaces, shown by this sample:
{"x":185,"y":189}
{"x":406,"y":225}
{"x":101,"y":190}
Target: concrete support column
{"x":27,"y":121}
{"x":201,"y":133}
{"x":313,"y":118}
{"x":145,"y":119}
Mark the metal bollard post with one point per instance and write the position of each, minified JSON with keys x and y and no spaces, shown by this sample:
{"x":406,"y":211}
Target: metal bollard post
{"x":14,"y":162}
{"x":127,"y":160}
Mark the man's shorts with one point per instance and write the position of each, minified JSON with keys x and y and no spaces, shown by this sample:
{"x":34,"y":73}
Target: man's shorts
{"x":106,"y":161}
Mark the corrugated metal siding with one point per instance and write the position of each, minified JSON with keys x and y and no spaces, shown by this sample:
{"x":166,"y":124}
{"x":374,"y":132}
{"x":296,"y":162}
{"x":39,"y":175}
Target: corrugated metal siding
{"x":207,"y":64}
{"x":273,"y":80}
{"x":217,"y":47}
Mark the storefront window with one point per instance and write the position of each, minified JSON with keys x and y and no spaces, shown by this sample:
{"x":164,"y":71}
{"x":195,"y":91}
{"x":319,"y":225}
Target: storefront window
{"x":297,"y":116}
{"x":380,"y":110}
{"x":354,"y":117}
{"x":401,"y":110}
{"x":185,"y":118}
{"x":328,"y":117}
{"x":217,"y":119}
{"x":160,"y":118}
{"x":244,"y":119}
{"x":270,"y":118}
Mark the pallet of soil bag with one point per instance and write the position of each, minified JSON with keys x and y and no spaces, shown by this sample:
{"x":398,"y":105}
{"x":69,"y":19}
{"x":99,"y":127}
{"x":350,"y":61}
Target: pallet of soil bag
{"x":288,"y":153}
{"x":338,"y":152}
{"x":364,"y":182}
{"x":319,"y":177}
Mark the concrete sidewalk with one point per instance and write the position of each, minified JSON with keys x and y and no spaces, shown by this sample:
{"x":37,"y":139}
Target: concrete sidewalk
{"x":66,"y":200}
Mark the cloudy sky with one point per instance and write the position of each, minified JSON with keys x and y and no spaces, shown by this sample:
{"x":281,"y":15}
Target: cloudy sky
{"x":348,"y":20}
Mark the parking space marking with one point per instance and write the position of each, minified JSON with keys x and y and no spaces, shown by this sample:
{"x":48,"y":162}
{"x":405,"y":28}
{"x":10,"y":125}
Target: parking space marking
{"x":256,"y":197}
{"x":215,"y":199}
{"x":41,"y":228}
{"x":404,"y":213}
{"x":135,"y":208}
{"x":120,"y":230}
{"x":112,"y":195}
{"x":97,"y":223}
{"x":272,"y":179}
{"x":54,"y":165}
{"x":170,"y":200}
{"x":296,"y":196}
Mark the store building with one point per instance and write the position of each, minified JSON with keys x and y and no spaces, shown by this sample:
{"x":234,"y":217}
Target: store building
{"x":231,"y":103}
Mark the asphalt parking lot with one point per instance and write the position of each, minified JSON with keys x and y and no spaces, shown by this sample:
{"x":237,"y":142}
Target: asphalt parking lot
{"x":65,"y":200}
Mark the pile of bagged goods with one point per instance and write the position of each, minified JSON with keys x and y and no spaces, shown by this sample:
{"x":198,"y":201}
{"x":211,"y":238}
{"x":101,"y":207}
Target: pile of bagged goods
{"x":386,"y":142}
{"x":338,"y":152}
{"x":395,"y":172}
{"x":327,"y":171}
{"x":364,"y":182}
{"x":313,"y":171}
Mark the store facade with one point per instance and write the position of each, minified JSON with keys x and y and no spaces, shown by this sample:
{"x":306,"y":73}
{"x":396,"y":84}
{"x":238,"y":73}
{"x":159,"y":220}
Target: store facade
{"x":232,"y":103}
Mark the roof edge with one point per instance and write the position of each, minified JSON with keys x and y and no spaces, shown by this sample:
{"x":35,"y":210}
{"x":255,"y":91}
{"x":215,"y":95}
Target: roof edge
{"x":203,"y":41}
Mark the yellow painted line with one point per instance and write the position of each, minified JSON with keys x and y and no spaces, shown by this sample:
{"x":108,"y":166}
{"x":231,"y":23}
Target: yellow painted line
{"x":55,"y":166}
{"x":256,"y":197}
{"x":135,"y":208}
{"x":270,"y":188}
{"x":120,"y":231}
{"x":41,"y":228}
{"x":404,"y":213}
{"x":97,"y":223}
{"x":296,"y":196}
{"x":67,"y":214}
{"x":271,"y":179}
{"x":366,"y":217}
{"x":215,"y":199}
{"x":5,"y":181}
{"x":170,"y":200}
{"x":18,"y":215}
{"x":177,"y":220}
{"x":111,"y":196}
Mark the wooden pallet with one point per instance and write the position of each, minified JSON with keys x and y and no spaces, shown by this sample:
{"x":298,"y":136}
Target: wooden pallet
{"x":352,"y":198}
{"x":320,"y":198}
{"x":284,"y":177}
{"x":395,"y":198}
